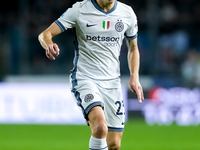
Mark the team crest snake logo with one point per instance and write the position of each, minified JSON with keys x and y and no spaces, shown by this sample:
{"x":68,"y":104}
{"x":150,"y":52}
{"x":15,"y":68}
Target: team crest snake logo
{"x":119,"y":26}
{"x":88,"y":98}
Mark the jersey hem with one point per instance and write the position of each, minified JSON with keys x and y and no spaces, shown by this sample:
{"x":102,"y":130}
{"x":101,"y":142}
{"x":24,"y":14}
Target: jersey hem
{"x":116,"y":129}
{"x":87,"y":110}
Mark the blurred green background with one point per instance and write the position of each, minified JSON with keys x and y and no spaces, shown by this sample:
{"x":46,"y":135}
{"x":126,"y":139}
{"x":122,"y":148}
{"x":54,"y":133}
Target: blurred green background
{"x":137,"y":136}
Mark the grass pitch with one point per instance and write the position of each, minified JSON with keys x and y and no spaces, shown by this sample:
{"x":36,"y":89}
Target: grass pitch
{"x":137,"y":136}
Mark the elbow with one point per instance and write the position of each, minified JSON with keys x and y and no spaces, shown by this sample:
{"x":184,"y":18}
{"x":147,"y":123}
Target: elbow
{"x":40,"y":36}
{"x":45,"y":35}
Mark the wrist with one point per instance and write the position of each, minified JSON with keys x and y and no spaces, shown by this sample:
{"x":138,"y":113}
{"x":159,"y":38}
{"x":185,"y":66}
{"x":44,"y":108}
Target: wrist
{"x":134,"y":76}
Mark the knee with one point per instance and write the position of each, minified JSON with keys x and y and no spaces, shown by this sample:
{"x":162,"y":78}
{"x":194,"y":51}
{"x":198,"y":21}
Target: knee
{"x":114,"y":145}
{"x":100,"y":130}
{"x":97,"y":122}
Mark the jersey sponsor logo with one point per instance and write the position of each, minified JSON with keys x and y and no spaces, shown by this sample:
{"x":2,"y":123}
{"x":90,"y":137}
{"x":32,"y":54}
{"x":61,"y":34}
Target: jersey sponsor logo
{"x":90,"y":25}
{"x":88,"y":98}
{"x":106,"y":25}
{"x":119,"y":26}
{"x":102,"y":38}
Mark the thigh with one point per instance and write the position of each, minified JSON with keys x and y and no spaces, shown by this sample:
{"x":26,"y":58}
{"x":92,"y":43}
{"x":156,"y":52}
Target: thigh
{"x":97,"y":122}
{"x":96,"y":115}
{"x":114,"y":109}
{"x":86,"y":96}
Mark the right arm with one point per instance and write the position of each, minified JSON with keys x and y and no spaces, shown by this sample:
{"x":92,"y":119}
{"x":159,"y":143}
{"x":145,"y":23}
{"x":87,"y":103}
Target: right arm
{"x":45,"y":39}
{"x":66,"y":21}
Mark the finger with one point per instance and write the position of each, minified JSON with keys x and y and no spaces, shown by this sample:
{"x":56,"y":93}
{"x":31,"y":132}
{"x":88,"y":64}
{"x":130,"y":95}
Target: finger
{"x":139,"y":95}
{"x":51,"y":49}
{"x":49,"y":55}
{"x":136,"y":91}
{"x":139,"y":98}
{"x":51,"y":52}
{"x":132,"y":89}
{"x":142,"y":94}
{"x":56,"y":49}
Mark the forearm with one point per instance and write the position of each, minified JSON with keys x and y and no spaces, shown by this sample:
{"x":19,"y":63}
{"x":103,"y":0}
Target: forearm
{"x":45,"y":39}
{"x":134,"y":65}
{"x":134,"y":61}
{"x":46,"y":36}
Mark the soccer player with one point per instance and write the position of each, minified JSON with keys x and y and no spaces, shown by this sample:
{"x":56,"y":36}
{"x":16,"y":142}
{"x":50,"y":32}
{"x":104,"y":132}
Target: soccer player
{"x":101,"y":26}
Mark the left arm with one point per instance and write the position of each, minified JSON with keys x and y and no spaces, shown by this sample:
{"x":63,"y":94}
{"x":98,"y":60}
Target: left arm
{"x":134,"y":63}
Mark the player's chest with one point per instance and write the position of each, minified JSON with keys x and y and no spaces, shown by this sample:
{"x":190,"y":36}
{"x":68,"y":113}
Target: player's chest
{"x":90,"y":24}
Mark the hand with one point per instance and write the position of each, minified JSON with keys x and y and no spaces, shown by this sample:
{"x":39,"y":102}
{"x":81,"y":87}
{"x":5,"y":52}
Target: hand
{"x":52,"y":51}
{"x":136,"y":88}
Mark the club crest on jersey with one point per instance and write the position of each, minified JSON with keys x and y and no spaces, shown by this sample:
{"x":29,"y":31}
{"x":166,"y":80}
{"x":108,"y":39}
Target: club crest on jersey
{"x":88,"y":98}
{"x":106,"y":25}
{"x":119,"y":26}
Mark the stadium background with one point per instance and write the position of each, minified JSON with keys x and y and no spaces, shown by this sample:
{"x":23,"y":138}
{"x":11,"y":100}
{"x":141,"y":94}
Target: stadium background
{"x":169,"y":43}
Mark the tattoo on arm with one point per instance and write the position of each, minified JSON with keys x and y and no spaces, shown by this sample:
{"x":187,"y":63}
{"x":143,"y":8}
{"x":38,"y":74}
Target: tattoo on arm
{"x":130,"y":45}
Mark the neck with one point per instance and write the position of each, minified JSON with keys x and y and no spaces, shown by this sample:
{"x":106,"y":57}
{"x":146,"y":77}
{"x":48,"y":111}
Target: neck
{"x":106,"y":5}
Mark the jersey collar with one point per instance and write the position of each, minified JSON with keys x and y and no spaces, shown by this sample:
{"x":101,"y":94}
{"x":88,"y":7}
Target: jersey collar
{"x":94,"y":2}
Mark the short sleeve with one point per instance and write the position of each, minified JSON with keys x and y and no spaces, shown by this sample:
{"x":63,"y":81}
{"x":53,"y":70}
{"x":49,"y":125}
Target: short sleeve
{"x":68,"y":18}
{"x":131,"y":32}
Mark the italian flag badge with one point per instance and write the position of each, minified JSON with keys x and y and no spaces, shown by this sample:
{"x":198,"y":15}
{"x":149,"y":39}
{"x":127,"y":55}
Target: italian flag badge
{"x":106,"y":25}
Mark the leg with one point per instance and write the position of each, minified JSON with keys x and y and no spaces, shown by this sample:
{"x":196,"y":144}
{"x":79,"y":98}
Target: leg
{"x":97,"y":122}
{"x":88,"y":98}
{"x":99,"y":129}
{"x":115,"y":115}
{"x":114,"y":140}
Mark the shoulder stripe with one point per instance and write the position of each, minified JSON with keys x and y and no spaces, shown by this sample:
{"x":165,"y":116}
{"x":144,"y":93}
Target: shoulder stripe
{"x":60,"y":25}
{"x":131,"y":37}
